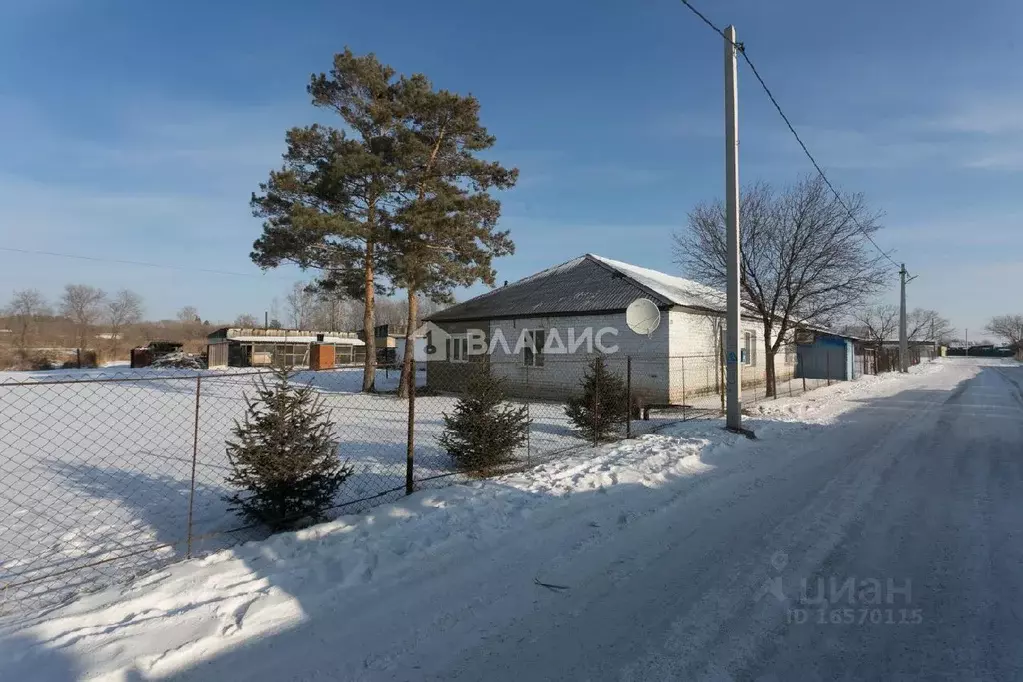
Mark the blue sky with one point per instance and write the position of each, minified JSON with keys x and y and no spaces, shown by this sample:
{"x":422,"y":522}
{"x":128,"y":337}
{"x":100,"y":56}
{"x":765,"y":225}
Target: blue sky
{"x":137,"y":131}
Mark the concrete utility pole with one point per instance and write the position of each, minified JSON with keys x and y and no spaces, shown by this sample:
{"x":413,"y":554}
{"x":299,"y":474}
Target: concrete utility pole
{"x":903,"y":341}
{"x":903,"y":337}
{"x":733,"y":378}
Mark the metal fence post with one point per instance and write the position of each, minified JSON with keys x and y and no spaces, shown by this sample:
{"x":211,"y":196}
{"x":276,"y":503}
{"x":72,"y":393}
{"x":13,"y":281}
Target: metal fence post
{"x":195,"y":457}
{"x":827,"y":366}
{"x":596,"y":400}
{"x":628,"y":396}
{"x":721,"y":377}
{"x":411,"y":439}
{"x":683,"y":360}
{"x":529,"y":422}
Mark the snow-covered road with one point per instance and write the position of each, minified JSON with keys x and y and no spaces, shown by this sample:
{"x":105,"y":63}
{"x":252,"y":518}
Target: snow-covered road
{"x":693,"y":554}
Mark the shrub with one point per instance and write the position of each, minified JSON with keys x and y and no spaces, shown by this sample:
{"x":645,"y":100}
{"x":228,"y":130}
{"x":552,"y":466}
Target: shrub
{"x":284,"y":457}
{"x":41,"y":361}
{"x":88,"y":359}
{"x":602,"y":409}
{"x":483,"y":431}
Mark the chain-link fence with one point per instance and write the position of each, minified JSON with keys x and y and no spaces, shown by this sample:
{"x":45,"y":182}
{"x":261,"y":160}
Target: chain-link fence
{"x":105,"y":477}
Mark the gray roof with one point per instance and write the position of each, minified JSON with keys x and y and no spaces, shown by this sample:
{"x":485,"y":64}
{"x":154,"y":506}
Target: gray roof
{"x":587,"y":284}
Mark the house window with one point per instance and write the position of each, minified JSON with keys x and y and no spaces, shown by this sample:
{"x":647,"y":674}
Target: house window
{"x":532,"y":354}
{"x":458,"y":349}
{"x":749,"y":350}
{"x":790,"y":353}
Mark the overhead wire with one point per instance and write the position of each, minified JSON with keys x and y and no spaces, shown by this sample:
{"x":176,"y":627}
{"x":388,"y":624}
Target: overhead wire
{"x":741,"y":49}
{"x":101,"y":259}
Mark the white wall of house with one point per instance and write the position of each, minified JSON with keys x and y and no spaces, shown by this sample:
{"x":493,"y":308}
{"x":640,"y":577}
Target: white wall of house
{"x":680,"y":358}
{"x":695,"y":352}
{"x":561,"y":374}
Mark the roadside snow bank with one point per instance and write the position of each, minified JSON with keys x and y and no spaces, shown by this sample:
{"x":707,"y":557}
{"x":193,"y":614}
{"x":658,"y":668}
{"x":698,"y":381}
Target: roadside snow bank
{"x":824,"y":404}
{"x":418,"y":568}
{"x":172,"y":618}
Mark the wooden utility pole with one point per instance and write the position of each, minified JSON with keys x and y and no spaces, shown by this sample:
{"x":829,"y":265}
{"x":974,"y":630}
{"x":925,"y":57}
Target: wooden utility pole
{"x":733,"y":372}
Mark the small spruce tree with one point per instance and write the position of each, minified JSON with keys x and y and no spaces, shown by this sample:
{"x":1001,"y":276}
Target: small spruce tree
{"x":284,"y":457}
{"x":483,"y":431}
{"x":601,"y":410}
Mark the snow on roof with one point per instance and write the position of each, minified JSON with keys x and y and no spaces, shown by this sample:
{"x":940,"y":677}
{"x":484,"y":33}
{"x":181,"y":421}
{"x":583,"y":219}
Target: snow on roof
{"x":297,"y":339}
{"x":681,"y":291}
{"x":586,"y":284}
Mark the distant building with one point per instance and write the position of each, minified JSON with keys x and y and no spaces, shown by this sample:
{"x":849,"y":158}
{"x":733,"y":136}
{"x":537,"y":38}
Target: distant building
{"x":390,"y":343}
{"x":154,"y":350}
{"x":238,"y":347}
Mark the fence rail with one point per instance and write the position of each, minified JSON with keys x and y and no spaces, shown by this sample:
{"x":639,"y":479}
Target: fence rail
{"x":105,"y":476}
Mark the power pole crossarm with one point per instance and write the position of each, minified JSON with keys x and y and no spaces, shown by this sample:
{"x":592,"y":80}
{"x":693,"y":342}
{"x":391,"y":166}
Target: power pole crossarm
{"x":733,"y":378}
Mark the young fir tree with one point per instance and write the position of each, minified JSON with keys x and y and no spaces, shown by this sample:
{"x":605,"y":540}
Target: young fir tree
{"x":602,"y":409}
{"x":284,"y":457}
{"x":483,"y":431}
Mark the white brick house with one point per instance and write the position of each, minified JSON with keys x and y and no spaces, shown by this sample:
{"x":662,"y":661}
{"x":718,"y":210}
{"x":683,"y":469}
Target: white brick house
{"x":575,"y":301}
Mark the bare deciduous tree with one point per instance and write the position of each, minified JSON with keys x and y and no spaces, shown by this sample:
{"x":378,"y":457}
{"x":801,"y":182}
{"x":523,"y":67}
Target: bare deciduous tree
{"x":246,"y":321}
{"x":191,"y":324}
{"x":300,"y":302}
{"x":188,"y":315}
{"x":82,"y":304}
{"x":26,"y":307}
{"x":805,"y":256}
{"x":878,"y":323}
{"x":1008,"y":327}
{"x":928,"y":325}
{"x":124,"y":309}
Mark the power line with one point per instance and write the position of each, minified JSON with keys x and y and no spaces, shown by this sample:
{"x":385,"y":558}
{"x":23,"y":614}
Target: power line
{"x":741,"y":48}
{"x":183,"y":268}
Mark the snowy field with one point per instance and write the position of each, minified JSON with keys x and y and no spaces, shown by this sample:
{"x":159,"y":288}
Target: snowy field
{"x":439,"y":584}
{"x":96,"y":466}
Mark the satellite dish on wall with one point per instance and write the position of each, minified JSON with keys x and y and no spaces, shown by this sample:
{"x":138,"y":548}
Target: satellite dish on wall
{"x":643,"y":316}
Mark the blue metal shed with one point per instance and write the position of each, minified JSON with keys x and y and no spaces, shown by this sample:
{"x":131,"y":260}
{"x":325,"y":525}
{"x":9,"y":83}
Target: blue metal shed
{"x":825,"y":355}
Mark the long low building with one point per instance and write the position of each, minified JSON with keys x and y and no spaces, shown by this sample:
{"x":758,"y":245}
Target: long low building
{"x":237,"y":347}
{"x":587,"y":299}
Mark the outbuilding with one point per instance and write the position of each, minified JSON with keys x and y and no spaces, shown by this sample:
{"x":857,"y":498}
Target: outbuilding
{"x":238,"y":347}
{"x":825,"y":354}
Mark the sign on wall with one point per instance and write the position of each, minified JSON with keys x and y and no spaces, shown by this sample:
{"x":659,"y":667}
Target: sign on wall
{"x":805,"y":337}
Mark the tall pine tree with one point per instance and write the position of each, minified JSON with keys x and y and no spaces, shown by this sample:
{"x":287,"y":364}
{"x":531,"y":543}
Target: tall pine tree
{"x":284,"y":457}
{"x":444,"y":231}
{"x":483,"y":431}
{"x":600,"y":412}
{"x":328,"y":207}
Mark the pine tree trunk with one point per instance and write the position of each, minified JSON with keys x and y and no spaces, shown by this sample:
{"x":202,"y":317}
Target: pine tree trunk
{"x":407,"y":374}
{"x":370,"y":364}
